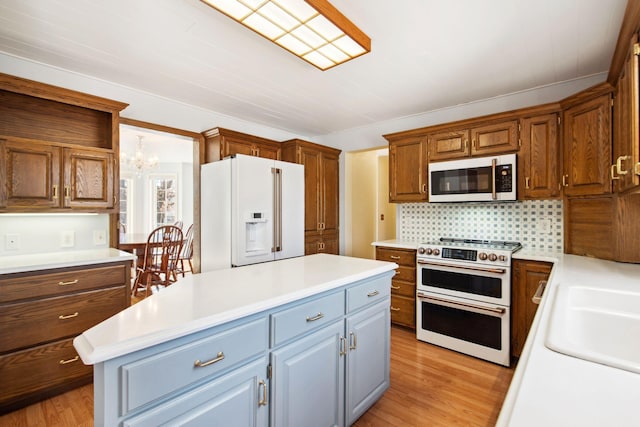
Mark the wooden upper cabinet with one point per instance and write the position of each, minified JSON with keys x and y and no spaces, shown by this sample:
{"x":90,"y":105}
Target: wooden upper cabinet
{"x":31,"y":172}
{"x":408,"y":169}
{"x":496,"y":138}
{"x":88,"y":179}
{"x":587,"y":146}
{"x":221,"y":143}
{"x":625,"y":168}
{"x":482,"y":140}
{"x":42,"y":175}
{"x":58,"y":148}
{"x":538,"y":176}
{"x":321,"y":183}
{"x":448,"y":145}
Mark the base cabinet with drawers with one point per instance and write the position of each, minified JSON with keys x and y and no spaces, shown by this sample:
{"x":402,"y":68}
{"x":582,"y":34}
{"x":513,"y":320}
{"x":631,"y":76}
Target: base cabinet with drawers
{"x":40,"y":314}
{"x":403,"y":284}
{"x":321,"y":360}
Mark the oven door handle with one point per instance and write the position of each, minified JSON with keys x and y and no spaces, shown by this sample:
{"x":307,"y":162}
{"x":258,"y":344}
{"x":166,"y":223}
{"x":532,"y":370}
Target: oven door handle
{"x":499,"y":310}
{"x":487,"y":270}
{"x":494,"y":162}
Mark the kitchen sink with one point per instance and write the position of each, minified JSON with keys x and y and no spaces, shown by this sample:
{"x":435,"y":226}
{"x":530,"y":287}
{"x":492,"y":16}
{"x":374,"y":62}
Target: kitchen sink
{"x":596,"y":324}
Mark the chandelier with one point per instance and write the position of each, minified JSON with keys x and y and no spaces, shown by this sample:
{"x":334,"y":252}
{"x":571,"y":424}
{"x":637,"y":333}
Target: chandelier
{"x":138,"y":162}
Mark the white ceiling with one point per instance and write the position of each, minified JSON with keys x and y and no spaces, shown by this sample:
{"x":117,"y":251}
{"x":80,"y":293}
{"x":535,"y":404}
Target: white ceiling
{"x":426,"y":54}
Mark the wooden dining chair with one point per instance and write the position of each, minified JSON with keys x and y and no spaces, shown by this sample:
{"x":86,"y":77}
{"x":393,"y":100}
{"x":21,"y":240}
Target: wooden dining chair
{"x":186,"y":254}
{"x":160,"y":259}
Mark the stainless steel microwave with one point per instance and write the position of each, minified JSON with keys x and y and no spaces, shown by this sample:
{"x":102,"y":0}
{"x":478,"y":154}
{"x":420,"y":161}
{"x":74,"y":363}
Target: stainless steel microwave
{"x":480,"y":179}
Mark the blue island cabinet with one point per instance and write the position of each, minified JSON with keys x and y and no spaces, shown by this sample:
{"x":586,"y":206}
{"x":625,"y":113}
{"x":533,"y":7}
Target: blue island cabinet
{"x":322,"y":360}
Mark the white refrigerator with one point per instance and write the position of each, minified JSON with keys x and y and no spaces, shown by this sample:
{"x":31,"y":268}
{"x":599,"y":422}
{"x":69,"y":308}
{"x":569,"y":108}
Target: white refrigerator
{"x":252,"y":210}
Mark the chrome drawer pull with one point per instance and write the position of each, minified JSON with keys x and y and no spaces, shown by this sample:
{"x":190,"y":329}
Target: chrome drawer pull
{"x":353,"y":341}
{"x":343,"y":346}
{"x":372,"y":294}
{"x":68,"y":316}
{"x":263,"y":401}
{"x":73,"y":282}
{"x":395,"y":288}
{"x":394,"y":256}
{"x":314,"y":318}
{"x":538,"y":295}
{"x":392,"y":308}
{"x":218,"y":358}
{"x":64,"y":362}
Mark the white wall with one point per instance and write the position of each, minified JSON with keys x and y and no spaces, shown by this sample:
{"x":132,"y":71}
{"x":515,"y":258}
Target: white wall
{"x":43,"y":232}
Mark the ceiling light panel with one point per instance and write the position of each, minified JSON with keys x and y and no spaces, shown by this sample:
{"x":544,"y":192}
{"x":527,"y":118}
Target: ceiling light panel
{"x":314,"y":30}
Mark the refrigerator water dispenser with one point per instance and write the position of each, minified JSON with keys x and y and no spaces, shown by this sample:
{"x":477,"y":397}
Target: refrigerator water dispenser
{"x":258,"y":240}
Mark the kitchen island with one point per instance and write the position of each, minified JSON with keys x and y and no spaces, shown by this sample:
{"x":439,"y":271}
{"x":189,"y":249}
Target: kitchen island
{"x":278,"y":343}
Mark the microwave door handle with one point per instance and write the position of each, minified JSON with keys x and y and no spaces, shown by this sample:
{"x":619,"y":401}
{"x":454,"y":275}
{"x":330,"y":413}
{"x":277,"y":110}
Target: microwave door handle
{"x":493,"y":179}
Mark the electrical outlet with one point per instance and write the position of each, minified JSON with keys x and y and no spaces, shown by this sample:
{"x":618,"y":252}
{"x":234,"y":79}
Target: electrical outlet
{"x":12,"y":242}
{"x":67,"y":238}
{"x":544,"y":226}
{"x":99,"y":237}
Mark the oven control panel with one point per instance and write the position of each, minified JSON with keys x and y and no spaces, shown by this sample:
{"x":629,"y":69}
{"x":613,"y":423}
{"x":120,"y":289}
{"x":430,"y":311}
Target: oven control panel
{"x":460,"y":254}
{"x":480,"y":256}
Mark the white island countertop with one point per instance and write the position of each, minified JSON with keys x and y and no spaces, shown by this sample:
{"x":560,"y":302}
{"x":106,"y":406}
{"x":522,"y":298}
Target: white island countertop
{"x":554,"y":389}
{"x":201,"y":301}
{"x":62,"y":259}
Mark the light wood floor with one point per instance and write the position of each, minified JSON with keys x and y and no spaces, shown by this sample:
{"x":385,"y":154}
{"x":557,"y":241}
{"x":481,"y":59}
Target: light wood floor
{"x":430,"y":386}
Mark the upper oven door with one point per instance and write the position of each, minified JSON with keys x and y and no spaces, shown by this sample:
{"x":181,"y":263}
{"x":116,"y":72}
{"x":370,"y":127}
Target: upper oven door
{"x":481,"y":283}
{"x":476,"y":179}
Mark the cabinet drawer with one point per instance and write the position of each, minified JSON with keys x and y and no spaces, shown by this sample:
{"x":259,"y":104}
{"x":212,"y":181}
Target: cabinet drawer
{"x":403,"y":288}
{"x":399,"y":256}
{"x":19,"y":286}
{"x":152,"y":377}
{"x":408,"y":274}
{"x":367,"y":293}
{"x":30,"y":323}
{"x":305,"y":317}
{"x":403,"y":311}
{"x":39,"y":368}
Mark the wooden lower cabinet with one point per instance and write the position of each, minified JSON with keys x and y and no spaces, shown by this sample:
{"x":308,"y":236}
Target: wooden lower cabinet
{"x":526,"y":278}
{"x":40,"y":314}
{"x":403,"y":284}
{"x":316,"y":243}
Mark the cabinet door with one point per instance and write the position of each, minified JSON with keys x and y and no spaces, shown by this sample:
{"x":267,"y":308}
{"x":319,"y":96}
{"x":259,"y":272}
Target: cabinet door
{"x":311,"y":159}
{"x":88,"y":179}
{"x":526,"y":279}
{"x":448,"y":145}
{"x":368,"y":360}
{"x":538,"y":159}
{"x":408,"y":170}
{"x":497,"y":138}
{"x":231,"y":146}
{"x":267,"y":151}
{"x":330,"y":189}
{"x":307,"y":383}
{"x":626,"y":145}
{"x":239,"y":398}
{"x":331,"y":243}
{"x":32,"y":175}
{"x":587,"y":148}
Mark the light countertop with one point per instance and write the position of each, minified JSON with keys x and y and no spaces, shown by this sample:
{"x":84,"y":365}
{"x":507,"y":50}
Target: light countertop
{"x":201,"y":301}
{"x":553,"y":389}
{"x":397,"y":243}
{"x":45,"y":261}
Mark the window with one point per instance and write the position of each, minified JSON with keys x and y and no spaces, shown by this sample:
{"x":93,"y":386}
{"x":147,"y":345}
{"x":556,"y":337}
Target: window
{"x":126,"y":205}
{"x":164,"y":199}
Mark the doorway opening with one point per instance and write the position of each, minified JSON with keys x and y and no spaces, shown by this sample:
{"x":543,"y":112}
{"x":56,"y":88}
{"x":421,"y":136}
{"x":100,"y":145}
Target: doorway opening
{"x":369,"y":216}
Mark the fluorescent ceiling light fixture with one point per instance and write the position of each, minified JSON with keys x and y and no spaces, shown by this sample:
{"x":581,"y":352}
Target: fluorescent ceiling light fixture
{"x":314,"y":30}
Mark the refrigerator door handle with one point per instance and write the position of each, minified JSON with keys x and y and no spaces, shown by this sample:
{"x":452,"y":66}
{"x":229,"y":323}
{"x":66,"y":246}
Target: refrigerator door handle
{"x":277,"y":210}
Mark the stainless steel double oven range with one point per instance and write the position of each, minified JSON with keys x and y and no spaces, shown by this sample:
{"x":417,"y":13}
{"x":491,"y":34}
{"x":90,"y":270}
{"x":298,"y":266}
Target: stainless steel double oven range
{"x":464,"y":296}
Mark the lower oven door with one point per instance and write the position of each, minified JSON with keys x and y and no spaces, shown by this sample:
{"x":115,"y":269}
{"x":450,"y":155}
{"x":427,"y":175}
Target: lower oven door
{"x":467,"y":326}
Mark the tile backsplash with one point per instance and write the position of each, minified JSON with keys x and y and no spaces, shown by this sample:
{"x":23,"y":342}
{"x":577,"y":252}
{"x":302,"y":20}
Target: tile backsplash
{"x":537,"y":224}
